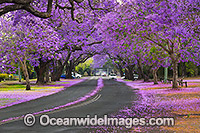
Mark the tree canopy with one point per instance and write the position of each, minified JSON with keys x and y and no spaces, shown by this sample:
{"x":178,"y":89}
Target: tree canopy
{"x":57,"y":35}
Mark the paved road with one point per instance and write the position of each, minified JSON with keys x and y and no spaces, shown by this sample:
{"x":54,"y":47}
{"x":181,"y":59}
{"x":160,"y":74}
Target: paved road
{"x":48,"y":102}
{"x":111,"y":98}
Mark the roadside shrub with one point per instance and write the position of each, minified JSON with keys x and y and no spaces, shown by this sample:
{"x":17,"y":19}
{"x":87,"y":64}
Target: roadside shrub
{"x":5,"y":76}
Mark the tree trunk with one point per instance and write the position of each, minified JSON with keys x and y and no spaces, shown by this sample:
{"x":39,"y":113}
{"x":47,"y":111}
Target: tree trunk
{"x":53,"y":74}
{"x":155,"y":78}
{"x":56,"y":76}
{"x":175,"y":74}
{"x":120,"y":70}
{"x":130,"y":72}
{"x":40,"y":71}
{"x":25,"y":71}
{"x":60,"y":72}
{"x":47,"y":74}
{"x":126,"y":73}
{"x":146,"y":78}
{"x":69,"y":68}
{"x":69,"y":73}
{"x":40,"y":75}
{"x":57,"y":71}
{"x":183,"y":69}
{"x":140,"y":75}
{"x":141,"y":72}
{"x":89,"y":72}
{"x":28,"y":86}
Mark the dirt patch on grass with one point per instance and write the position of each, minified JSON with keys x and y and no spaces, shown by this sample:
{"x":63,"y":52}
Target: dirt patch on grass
{"x":186,"y":125}
{"x":186,"y":108}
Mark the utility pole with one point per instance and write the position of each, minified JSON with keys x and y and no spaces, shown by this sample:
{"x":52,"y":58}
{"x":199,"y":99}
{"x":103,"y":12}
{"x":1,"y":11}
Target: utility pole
{"x":166,"y":71}
{"x":165,"y":74}
{"x":19,"y":72}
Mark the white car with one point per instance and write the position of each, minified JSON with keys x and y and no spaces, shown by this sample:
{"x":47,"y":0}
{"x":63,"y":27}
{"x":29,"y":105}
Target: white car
{"x":103,"y":74}
{"x":76,"y":75}
{"x":134,"y":75}
{"x":113,"y":76}
{"x":123,"y":77}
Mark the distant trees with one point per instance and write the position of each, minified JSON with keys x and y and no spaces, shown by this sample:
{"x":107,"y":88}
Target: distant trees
{"x":136,"y":27}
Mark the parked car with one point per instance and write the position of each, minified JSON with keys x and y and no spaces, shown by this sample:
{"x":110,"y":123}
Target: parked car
{"x":64,"y":76}
{"x":98,"y":74}
{"x":112,"y":76}
{"x":103,"y":74}
{"x":134,"y":75}
{"x":77,"y":75}
{"x":123,"y":77}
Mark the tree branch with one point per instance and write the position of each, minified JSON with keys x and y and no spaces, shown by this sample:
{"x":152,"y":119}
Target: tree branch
{"x":78,"y":1}
{"x":10,"y":8}
{"x":99,"y":42}
{"x":25,"y":4}
{"x":62,"y":7}
{"x":16,"y":1}
{"x":40,"y":14}
{"x":157,"y":44}
{"x":89,"y":2}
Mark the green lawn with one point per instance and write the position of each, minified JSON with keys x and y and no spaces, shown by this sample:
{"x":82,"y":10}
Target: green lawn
{"x":55,"y":83}
{"x":18,"y":87}
{"x":5,"y":101}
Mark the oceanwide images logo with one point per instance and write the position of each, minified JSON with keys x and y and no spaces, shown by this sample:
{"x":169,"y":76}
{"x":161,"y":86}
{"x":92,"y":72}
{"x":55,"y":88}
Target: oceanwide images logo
{"x":29,"y":120}
{"x":45,"y":120}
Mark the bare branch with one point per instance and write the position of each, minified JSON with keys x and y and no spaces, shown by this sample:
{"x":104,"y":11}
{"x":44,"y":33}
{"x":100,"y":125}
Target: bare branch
{"x":10,"y":8}
{"x":99,"y":42}
{"x":76,"y":48}
{"x":40,"y":14}
{"x":16,"y":1}
{"x":78,"y":1}
{"x":25,"y":4}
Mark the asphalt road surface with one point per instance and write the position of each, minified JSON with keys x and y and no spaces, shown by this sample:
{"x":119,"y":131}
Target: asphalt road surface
{"x":113,"y":96}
